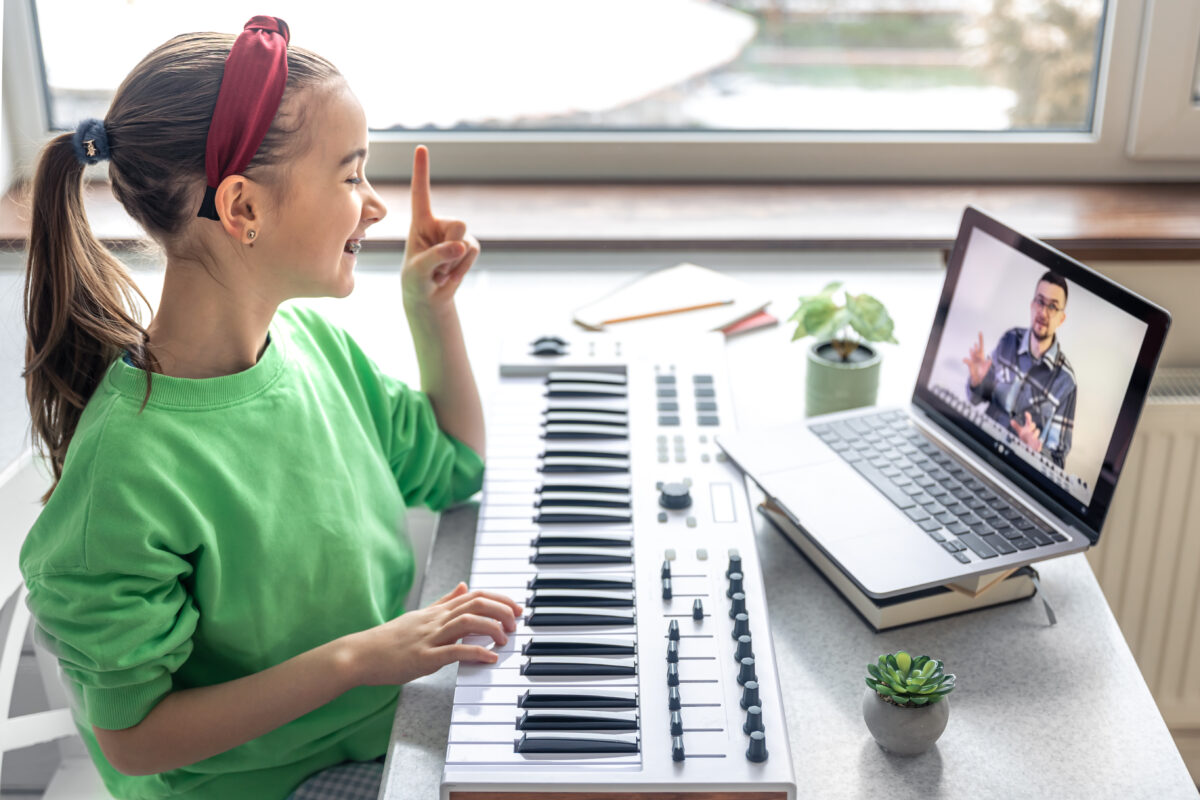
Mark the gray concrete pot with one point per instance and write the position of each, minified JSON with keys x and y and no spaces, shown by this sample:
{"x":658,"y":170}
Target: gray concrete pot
{"x":835,"y":385}
{"x":901,"y":730}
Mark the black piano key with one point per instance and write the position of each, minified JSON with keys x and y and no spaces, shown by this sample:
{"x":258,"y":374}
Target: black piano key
{"x":578,"y":669}
{"x":582,"y":600}
{"x":568,"y":744}
{"x":583,"y":647}
{"x":575,"y":432}
{"x":581,"y":517}
{"x":582,"y":582}
{"x":553,"y":540}
{"x":591,"y":488}
{"x":584,"y":390}
{"x":578,"y":467}
{"x":542,"y":721}
{"x":553,"y":619}
{"x":587,"y":417}
{"x":605,"y":407}
{"x":585,"y":454}
{"x":539,"y":698}
{"x":580,"y":558}
{"x":576,"y":501}
{"x":586,"y":376}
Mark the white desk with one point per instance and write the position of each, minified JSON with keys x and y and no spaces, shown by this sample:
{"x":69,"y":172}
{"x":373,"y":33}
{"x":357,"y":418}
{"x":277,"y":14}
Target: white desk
{"x":1039,"y":711}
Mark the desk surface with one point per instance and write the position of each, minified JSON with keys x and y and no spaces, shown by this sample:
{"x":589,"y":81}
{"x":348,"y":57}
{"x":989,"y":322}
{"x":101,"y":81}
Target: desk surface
{"x":1039,"y":711}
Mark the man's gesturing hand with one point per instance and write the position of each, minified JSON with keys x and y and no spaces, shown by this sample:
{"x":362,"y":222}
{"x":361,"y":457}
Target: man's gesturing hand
{"x":423,"y":641}
{"x":438,"y":252}
{"x":977,"y":362}
{"x":1028,"y":433}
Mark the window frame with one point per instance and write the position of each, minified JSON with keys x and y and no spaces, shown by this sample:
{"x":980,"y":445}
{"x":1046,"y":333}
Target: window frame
{"x":1107,"y":153}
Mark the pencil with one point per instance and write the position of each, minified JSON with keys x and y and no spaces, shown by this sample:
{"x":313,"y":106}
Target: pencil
{"x":667,"y":311}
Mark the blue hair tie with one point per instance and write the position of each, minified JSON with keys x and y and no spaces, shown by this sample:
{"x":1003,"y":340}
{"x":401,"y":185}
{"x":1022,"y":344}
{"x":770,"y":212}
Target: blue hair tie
{"x":91,"y":142}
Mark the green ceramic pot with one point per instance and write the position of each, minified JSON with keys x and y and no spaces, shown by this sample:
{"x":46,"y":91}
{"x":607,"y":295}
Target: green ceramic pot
{"x":835,"y":385}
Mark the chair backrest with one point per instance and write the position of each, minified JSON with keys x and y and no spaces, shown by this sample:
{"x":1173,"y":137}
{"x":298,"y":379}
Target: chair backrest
{"x":22,"y":484}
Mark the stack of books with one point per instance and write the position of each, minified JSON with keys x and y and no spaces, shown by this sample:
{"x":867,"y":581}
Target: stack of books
{"x":982,"y":591}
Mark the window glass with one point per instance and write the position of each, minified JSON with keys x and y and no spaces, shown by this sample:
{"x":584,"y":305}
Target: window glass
{"x":612,"y":65}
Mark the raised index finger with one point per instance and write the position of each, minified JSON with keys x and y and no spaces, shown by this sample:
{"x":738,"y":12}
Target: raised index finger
{"x":420,"y":184}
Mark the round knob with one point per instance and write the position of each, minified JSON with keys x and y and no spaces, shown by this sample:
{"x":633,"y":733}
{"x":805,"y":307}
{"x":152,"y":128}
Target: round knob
{"x":697,"y":610}
{"x":743,"y":649}
{"x":750,"y":694}
{"x":672,"y":652}
{"x":735,"y":564}
{"x":741,"y":626}
{"x":753,"y":720}
{"x":674,"y":495}
{"x":677,"y":748}
{"x":666,"y":593}
{"x":676,"y":723}
{"x":673,"y":630}
{"x":757,"y":752}
{"x":735,"y":584}
{"x":738,"y":606}
{"x":672,"y":674}
{"x":673,"y":699}
{"x":746,"y":673}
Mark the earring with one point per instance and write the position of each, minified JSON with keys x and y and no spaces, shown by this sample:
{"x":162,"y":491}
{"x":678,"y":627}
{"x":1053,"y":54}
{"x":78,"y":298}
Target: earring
{"x":251,"y":234}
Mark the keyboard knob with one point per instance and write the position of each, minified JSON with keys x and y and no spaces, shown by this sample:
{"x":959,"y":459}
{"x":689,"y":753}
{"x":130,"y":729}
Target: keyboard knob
{"x":757,"y":752}
{"x":673,"y":630}
{"x":746,"y":673}
{"x":674,"y":496}
{"x":677,"y":748}
{"x":744,"y":649}
{"x":666,"y":590}
{"x":735,"y":584}
{"x":676,"y":723}
{"x":672,"y":674}
{"x":750,"y":694}
{"x":697,"y":610}
{"x":741,"y":625}
{"x":753,"y":720}
{"x":674,"y":701}
{"x":735,"y":564}
{"x":672,"y":652}
{"x":666,"y":570}
{"x":738,"y":606}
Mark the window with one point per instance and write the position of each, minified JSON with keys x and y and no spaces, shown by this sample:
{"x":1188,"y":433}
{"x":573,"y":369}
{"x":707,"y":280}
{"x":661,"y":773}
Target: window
{"x":708,"y":89}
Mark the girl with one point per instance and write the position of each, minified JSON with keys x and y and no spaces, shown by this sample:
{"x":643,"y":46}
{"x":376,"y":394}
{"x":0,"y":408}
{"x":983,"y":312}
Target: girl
{"x":217,"y":566}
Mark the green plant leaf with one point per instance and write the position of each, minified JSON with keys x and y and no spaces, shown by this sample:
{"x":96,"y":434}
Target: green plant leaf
{"x":919,"y":701}
{"x":919,"y":662}
{"x":926,"y":669}
{"x":902,"y":700}
{"x":829,"y":329}
{"x":813,"y":316}
{"x":874,"y":672}
{"x":891,"y":660}
{"x":871,"y":683}
{"x":903,"y":663}
{"x":869,"y":318}
{"x":885,"y":690}
{"x":830,"y":288}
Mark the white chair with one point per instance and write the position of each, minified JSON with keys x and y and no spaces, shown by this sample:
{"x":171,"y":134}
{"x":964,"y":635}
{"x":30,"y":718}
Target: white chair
{"x":21,"y":486}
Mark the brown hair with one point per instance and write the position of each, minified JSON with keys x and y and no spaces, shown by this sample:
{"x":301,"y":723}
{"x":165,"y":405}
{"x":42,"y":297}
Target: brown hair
{"x":80,"y":301}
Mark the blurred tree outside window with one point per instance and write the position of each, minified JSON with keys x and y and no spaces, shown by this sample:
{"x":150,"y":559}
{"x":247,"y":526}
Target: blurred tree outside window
{"x":638,"y":65}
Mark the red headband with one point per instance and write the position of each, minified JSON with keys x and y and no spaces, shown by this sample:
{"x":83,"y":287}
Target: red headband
{"x":255,"y":74}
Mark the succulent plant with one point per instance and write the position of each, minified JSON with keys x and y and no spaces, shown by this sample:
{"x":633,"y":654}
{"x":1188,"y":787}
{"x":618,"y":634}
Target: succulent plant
{"x":906,"y":681}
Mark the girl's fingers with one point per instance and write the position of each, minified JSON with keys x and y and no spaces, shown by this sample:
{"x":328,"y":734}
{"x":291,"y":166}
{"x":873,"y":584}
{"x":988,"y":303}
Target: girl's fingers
{"x":471,"y":625}
{"x":457,"y":591}
{"x":464,"y":652}
{"x":453,"y":229}
{"x":499,"y":598}
{"x":487,"y":607}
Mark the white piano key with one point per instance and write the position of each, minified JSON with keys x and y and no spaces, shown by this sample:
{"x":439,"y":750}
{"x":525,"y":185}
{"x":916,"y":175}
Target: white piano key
{"x":566,"y":430}
{"x":564,"y":389}
{"x":501,"y":754}
{"x":560,"y":376}
{"x":510,"y":714}
{"x":595,"y":417}
{"x":471,"y":674}
{"x":583,"y":498}
{"x":548,"y":596}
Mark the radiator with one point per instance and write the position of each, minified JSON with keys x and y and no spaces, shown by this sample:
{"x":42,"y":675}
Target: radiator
{"x":1154,"y":587}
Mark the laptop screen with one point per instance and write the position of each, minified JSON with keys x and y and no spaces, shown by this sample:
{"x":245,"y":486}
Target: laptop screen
{"x":1041,"y":364}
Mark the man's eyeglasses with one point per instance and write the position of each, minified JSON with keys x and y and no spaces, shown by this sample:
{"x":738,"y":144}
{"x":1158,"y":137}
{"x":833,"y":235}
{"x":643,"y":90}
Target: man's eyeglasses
{"x":1046,"y":305}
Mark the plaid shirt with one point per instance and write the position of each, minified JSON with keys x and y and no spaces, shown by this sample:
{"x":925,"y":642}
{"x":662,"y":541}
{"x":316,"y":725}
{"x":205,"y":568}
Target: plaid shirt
{"x":1017,"y":382}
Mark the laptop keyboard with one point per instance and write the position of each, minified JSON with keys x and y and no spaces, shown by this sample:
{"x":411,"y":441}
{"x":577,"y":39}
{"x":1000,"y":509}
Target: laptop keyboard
{"x":934,"y":489}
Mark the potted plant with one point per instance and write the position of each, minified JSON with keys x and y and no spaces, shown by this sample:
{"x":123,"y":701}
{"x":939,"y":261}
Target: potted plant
{"x":843,"y":370}
{"x":905,"y":706}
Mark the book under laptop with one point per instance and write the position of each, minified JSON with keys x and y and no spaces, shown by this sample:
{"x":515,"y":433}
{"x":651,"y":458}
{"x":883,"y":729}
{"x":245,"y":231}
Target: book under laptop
{"x":1033,"y":379}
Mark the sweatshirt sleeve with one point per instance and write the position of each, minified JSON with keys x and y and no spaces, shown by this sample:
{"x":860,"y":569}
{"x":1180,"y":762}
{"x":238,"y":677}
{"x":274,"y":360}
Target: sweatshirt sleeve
{"x":431,"y":467}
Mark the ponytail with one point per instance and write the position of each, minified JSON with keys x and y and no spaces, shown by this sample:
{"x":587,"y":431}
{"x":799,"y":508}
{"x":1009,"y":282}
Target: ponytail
{"x":80,"y":307}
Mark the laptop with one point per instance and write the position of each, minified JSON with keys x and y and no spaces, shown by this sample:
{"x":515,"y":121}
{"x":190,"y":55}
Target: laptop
{"x":1033,"y":379}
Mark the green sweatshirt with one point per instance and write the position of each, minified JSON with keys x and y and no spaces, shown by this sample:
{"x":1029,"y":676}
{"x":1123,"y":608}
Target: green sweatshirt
{"x":232,"y":524}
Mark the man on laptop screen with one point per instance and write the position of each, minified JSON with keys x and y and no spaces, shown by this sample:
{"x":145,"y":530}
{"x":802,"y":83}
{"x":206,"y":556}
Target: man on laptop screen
{"x":1005,"y":455}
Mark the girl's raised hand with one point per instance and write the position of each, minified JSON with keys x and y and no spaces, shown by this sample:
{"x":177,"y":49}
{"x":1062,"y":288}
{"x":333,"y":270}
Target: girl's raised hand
{"x":423,"y":641}
{"x":438,"y":252}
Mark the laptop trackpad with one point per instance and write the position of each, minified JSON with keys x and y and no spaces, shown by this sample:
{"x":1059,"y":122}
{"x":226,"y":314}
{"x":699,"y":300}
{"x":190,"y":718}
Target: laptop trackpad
{"x":834,"y":503}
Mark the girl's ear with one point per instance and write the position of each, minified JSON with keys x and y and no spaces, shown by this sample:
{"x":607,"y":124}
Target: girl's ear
{"x":237,"y":203}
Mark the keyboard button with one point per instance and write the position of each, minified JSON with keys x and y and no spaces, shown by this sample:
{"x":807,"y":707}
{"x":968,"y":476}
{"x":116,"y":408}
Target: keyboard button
{"x":999,"y":544}
{"x":977,"y":545}
{"x":902,"y":480}
{"x":1022,"y":524}
{"x":1056,"y":536}
{"x":922,"y":498}
{"x":708,"y":419}
{"x":912,"y":488}
{"x":898,"y":497}
{"x":974,"y":503}
{"x":879,"y":461}
{"x":963,"y":558}
{"x":971,"y":483}
{"x":890,"y":472}
{"x":1009,"y":513}
{"x":925,"y":480}
{"x":1022,"y":543}
{"x":916,"y":514}
{"x":851,"y":457}
{"x":957,"y":528}
{"x":1039,"y":537}
{"x":946,"y":518}
{"x":982,"y":528}
{"x":952,"y":546}
{"x":970,"y":520}
{"x":928,"y":525}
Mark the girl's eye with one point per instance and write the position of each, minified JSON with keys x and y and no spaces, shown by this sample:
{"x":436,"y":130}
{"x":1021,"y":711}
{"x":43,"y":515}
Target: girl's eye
{"x":354,"y":181}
